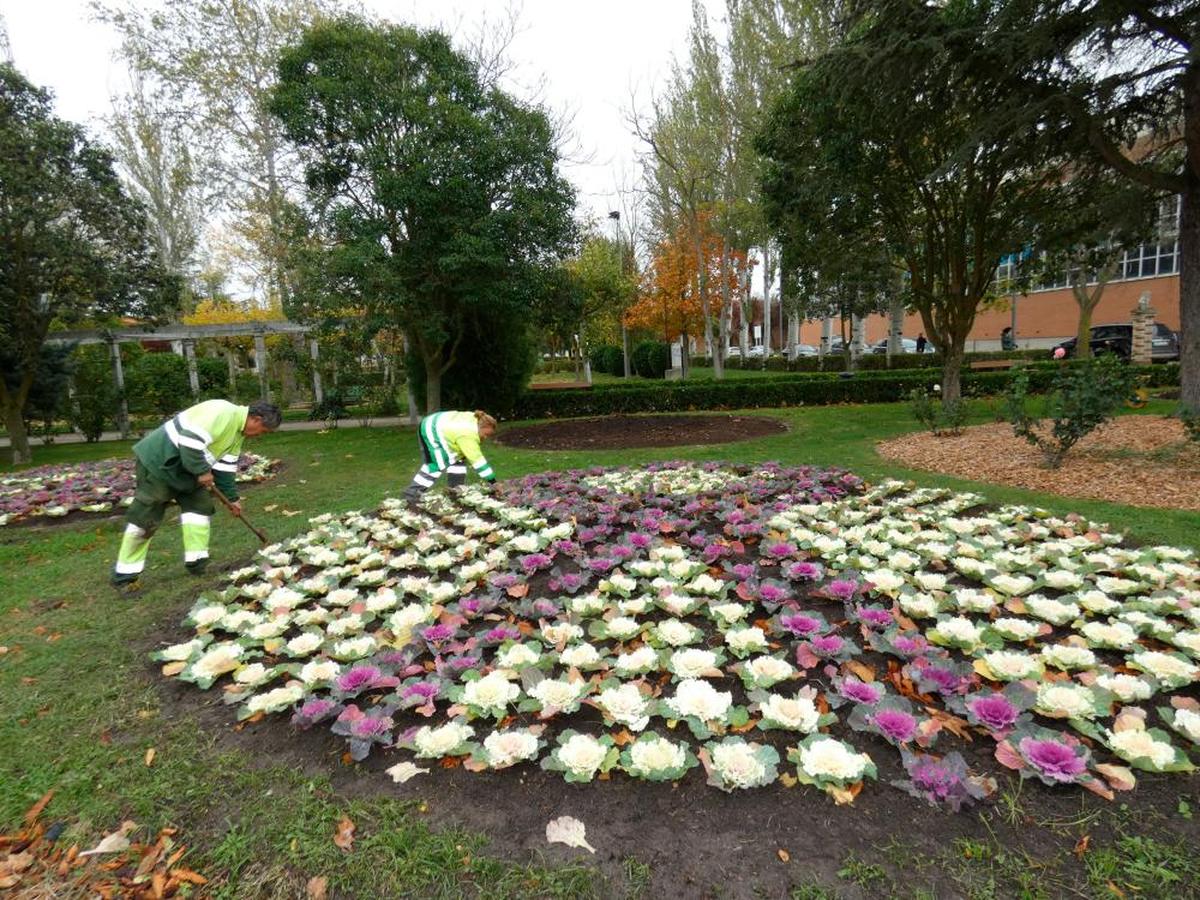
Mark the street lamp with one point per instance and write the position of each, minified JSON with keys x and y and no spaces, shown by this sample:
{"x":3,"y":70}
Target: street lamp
{"x":615,"y":217}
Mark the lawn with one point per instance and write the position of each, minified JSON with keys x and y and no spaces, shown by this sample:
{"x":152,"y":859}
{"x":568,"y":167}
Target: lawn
{"x":84,"y":705}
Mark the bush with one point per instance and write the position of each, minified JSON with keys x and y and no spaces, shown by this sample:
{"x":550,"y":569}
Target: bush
{"x":246,"y":388}
{"x":157,"y":384}
{"x":651,"y":359}
{"x":609,"y":359}
{"x":96,"y":397}
{"x":939,"y":418}
{"x":213,"y":374}
{"x":331,"y":408}
{"x":1082,"y":396}
{"x":781,"y":391}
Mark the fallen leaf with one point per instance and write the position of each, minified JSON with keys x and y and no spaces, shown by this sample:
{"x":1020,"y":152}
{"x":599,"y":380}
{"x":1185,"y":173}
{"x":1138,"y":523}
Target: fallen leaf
{"x":150,"y":754}
{"x":862,"y":670}
{"x":1081,"y":846}
{"x":16,"y":863}
{"x":189,"y":876}
{"x":34,"y":811}
{"x":318,"y":887}
{"x":173,"y":668}
{"x":9,"y":881}
{"x":271,"y":507}
{"x":401,"y":772}
{"x":570,"y":831}
{"x":290,"y":512}
{"x":783,"y":855}
{"x":115,"y":842}
{"x":344,"y":838}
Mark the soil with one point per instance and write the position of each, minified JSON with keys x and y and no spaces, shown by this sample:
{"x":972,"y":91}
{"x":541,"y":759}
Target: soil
{"x":698,"y":841}
{"x":1135,"y":460}
{"x":622,"y":432}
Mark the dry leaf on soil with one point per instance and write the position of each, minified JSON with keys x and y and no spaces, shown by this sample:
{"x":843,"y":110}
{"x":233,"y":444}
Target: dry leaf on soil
{"x":344,"y":837}
{"x":570,"y":831}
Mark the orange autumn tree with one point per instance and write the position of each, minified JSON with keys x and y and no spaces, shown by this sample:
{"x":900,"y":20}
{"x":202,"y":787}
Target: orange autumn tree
{"x":669,"y":299}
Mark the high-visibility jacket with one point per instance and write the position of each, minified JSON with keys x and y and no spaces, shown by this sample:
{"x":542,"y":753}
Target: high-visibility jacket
{"x":450,"y":434}
{"x":206,"y":437}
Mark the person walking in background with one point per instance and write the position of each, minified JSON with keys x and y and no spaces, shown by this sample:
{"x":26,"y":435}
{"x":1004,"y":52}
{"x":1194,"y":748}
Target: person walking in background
{"x":1007,"y":341}
{"x":921,"y":342}
{"x":447,"y":438}
{"x":180,"y":461}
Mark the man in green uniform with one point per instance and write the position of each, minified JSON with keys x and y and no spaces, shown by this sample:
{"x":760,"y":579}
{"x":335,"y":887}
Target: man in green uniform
{"x":179,"y":461}
{"x":447,"y":438}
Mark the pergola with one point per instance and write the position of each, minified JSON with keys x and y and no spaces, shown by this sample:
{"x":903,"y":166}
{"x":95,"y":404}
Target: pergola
{"x":186,"y":336}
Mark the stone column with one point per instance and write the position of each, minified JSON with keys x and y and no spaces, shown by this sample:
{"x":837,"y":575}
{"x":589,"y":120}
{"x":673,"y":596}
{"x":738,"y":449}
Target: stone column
{"x":313,"y":353}
{"x":189,"y":354}
{"x":114,"y":350}
{"x":232,"y":364}
{"x":260,"y":363}
{"x":1143,"y":316}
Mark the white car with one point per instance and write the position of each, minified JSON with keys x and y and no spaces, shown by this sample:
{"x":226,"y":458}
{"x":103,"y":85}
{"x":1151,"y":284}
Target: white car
{"x":798,"y":350}
{"x":907,"y":345}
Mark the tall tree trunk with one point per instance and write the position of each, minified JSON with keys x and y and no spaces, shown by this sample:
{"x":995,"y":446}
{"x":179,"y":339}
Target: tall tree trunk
{"x":1189,"y":288}
{"x":952,"y":360}
{"x":433,"y":385}
{"x":705,"y":306}
{"x":14,"y":405}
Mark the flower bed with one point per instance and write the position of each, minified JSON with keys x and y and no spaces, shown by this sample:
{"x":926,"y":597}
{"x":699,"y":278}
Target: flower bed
{"x":90,"y":487}
{"x":764,"y":623}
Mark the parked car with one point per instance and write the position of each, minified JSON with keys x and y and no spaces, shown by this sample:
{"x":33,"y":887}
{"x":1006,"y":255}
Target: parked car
{"x":798,"y":350}
{"x":907,"y":345}
{"x":756,"y":352}
{"x":733,"y":352}
{"x":1118,"y":339}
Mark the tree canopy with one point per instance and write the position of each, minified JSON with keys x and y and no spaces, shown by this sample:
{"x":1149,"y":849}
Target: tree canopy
{"x":430,"y":197}
{"x":73,"y":244}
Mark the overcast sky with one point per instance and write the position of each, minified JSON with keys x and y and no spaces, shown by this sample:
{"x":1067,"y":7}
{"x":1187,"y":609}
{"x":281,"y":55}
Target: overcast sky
{"x":592,"y":55}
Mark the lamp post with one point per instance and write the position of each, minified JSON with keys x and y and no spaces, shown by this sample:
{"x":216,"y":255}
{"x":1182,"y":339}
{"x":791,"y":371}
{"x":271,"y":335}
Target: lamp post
{"x":615,"y":217}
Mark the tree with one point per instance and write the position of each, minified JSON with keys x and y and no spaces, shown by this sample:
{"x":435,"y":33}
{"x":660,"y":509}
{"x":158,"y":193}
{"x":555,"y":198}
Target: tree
{"x":429,"y":195}
{"x":608,"y":285}
{"x":883,"y":132}
{"x":215,"y":65}
{"x":73,"y":244}
{"x":152,"y":147}
{"x":1113,"y":84}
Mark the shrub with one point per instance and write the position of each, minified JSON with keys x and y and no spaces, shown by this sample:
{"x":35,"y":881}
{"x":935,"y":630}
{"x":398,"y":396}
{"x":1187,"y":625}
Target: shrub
{"x":1082,"y":396}
{"x":778,"y":391}
{"x":213,"y":375}
{"x":331,"y":408}
{"x":651,"y":359}
{"x":157,"y":383}
{"x":939,"y":418}
{"x":609,"y":359}
{"x":96,"y":396}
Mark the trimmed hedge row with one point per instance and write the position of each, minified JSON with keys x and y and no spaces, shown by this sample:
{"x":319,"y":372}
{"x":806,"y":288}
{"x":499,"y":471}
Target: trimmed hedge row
{"x":835,"y":362}
{"x":814,"y":390}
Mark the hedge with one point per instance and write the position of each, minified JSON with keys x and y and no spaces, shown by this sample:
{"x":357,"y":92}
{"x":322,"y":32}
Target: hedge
{"x":796,"y":390}
{"x":835,"y":362}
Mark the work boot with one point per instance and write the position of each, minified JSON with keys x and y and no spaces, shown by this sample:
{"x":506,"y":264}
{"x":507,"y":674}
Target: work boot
{"x":412,"y":494}
{"x":126,"y":585}
{"x":196,"y":566}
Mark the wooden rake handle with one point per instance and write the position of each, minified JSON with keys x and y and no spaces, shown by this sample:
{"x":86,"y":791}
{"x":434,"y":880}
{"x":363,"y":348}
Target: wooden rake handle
{"x":237,"y":515}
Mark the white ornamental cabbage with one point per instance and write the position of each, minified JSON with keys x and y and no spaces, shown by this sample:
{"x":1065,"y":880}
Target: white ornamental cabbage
{"x":738,"y":764}
{"x":217,"y":660}
{"x":354,"y":648}
{"x":1066,"y":656}
{"x":492,"y":692}
{"x":304,"y":644}
{"x":625,"y":704}
{"x":408,"y":617}
{"x":1126,"y":688}
{"x":930,"y":581}
{"x":1137,"y":744}
{"x":1187,"y":723}
{"x":435,"y":742}
{"x":318,"y":671}
{"x":283,"y":597}
{"x":382,"y":600}
{"x":1016,"y":629}
{"x":744,"y":640}
{"x":1072,"y":700}
{"x":1056,"y":612}
{"x":580,"y":655}
{"x":695,"y":697}
{"x":207,"y":616}
{"x":274,"y":701}
{"x":830,"y":758}
{"x":919,"y":606}
{"x":959,"y":630}
{"x":1165,"y":667}
{"x":318,"y":615}
{"x":675,"y":632}
{"x":345,"y":625}
{"x":1010,"y":665}
{"x":706,"y":584}
{"x":1062,"y":580}
{"x":728,"y":613}
{"x":640,"y":660}
{"x":582,"y":755}
{"x":884,"y":580}
{"x":657,"y":754}
{"x":692,"y":662}
{"x":556,"y":693}
{"x":794,"y":713}
{"x":506,"y":748}
{"x":181,"y":652}
{"x":561,"y":632}
{"x":518,"y":656}
{"x":1109,"y":634}
{"x":253,"y":674}
{"x":622,"y":628}
{"x":1098,"y":602}
{"x":767,"y":670}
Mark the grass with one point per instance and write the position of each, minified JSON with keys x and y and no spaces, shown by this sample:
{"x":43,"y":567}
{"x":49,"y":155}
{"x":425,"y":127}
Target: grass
{"x":82,"y":706}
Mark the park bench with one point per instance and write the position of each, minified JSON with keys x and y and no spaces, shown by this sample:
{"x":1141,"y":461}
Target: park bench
{"x":560,"y":386}
{"x":983,"y":365}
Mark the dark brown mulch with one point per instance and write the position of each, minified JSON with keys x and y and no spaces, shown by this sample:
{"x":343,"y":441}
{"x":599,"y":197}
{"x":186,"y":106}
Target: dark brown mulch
{"x":622,"y":432}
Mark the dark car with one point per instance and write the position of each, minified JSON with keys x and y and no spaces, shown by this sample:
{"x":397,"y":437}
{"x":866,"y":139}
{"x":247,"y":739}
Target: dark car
{"x":1118,"y":340}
